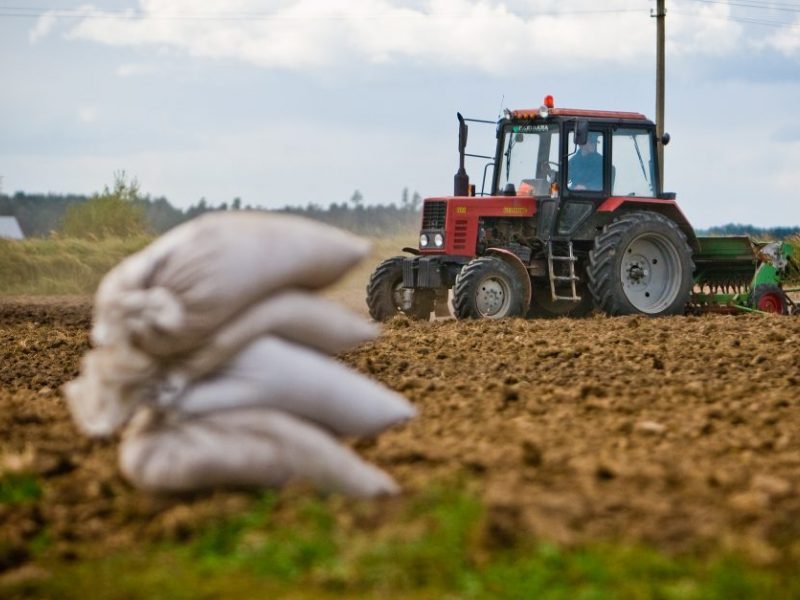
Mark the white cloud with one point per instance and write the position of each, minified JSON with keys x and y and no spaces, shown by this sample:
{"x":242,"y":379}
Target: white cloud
{"x":702,"y":29}
{"x":87,"y":114}
{"x":488,"y":35}
{"x":42,"y":28}
{"x":786,"y":41}
{"x":133,"y":70}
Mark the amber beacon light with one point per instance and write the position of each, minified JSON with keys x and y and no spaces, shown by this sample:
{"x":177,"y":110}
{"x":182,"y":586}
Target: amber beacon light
{"x":544,"y":109}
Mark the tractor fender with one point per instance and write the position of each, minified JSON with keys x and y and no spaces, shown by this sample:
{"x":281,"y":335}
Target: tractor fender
{"x":518,"y":266}
{"x":666,"y":207}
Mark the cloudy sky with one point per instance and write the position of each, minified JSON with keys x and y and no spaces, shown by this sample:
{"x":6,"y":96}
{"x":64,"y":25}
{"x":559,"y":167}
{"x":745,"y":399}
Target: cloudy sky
{"x":296,"y":101}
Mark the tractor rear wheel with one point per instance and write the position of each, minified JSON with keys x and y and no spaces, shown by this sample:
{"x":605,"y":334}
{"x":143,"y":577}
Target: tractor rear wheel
{"x":641,"y":264}
{"x":770,"y":298}
{"x":488,"y":288}
{"x":386,"y":296}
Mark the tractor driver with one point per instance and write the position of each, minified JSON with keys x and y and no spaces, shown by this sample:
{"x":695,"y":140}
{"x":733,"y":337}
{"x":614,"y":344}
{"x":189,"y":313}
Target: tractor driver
{"x":586,"y":167}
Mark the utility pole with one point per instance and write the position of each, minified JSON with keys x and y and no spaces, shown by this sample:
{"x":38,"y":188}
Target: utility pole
{"x":660,"y":15}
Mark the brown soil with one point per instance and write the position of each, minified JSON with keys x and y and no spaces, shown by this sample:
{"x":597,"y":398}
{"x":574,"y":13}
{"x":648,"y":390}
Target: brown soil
{"x":683,"y":433}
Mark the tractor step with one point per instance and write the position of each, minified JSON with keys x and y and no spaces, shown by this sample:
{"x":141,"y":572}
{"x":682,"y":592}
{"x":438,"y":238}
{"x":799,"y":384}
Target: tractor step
{"x":564,"y":280}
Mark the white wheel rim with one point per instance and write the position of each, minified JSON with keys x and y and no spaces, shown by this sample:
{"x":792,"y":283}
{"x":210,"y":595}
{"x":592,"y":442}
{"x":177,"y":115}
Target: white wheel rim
{"x":651,"y":273}
{"x":492,"y":297}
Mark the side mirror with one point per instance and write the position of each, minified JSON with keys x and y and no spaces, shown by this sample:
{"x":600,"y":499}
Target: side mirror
{"x":461,"y":179}
{"x":665,"y":139}
{"x":462,"y":133}
{"x":581,"y":132}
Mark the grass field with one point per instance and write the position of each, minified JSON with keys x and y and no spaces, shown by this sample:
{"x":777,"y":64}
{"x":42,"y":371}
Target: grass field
{"x":434,"y":551}
{"x":60,"y":266}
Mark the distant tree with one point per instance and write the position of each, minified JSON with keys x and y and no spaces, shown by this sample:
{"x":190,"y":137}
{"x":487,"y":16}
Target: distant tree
{"x":197,"y":209}
{"x":236,"y":204}
{"x":38,"y":214}
{"x":116,"y":212}
{"x":357,"y":199}
{"x":751,"y":230}
{"x":161,"y":215}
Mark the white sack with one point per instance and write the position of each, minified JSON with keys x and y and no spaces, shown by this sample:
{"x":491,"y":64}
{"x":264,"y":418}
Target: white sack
{"x":296,"y":316}
{"x":244,"y":447}
{"x":169,"y":297}
{"x":273,"y":373}
{"x":113,"y":382}
{"x":211,"y":349}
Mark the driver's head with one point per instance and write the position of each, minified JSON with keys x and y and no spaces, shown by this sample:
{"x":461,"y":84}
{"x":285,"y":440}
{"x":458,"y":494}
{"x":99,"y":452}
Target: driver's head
{"x":591,"y":143}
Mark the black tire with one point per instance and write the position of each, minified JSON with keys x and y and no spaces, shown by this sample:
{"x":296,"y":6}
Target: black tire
{"x":641,"y":264}
{"x":385,"y":293}
{"x":488,"y":288}
{"x":543,"y":307}
{"x":770,"y":298}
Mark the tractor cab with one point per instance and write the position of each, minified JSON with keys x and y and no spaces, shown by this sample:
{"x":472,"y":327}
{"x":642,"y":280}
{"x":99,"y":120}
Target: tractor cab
{"x":571,"y":161}
{"x":542,"y":156}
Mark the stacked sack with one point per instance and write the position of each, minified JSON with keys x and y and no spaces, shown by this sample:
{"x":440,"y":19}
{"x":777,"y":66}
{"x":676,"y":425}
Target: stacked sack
{"x":213,"y":354}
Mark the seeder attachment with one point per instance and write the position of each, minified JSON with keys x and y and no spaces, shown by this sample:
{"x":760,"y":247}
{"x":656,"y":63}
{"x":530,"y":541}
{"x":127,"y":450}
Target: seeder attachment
{"x":739,"y":274}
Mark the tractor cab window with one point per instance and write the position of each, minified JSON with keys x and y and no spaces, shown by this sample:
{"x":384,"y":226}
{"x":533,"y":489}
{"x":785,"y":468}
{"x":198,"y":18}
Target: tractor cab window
{"x":529,"y":158}
{"x":585,"y":166}
{"x":632,"y":163}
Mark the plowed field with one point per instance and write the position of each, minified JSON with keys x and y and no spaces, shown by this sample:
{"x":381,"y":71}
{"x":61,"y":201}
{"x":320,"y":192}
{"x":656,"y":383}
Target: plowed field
{"x":682,"y":433}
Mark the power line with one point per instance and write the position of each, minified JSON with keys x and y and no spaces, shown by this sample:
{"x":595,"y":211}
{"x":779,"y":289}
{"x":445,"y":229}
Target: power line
{"x":135,"y":14}
{"x":777,"y":6}
{"x":25,"y":12}
{"x":737,"y":19}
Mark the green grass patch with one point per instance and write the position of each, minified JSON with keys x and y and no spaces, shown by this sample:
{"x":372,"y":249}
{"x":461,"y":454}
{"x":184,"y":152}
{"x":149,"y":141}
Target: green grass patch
{"x":60,"y":265}
{"x":431,"y":547}
{"x":19,"y":488}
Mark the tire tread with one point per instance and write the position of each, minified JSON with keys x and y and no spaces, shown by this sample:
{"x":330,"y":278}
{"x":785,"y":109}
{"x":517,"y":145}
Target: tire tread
{"x":600,"y":270}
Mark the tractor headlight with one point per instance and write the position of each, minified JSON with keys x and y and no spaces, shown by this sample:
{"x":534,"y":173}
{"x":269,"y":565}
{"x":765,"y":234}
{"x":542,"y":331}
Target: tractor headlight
{"x":438,"y":240}
{"x":423,"y":240}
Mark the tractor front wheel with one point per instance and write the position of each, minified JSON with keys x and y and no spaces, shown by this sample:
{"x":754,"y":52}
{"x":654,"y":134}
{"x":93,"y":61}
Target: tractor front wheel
{"x":770,"y":298}
{"x":641,"y":264}
{"x":488,"y":288}
{"x":386,"y":296}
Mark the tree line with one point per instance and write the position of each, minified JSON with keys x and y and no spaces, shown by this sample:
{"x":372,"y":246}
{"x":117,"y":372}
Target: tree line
{"x":778,"y":233}
{"x":121,"y":210}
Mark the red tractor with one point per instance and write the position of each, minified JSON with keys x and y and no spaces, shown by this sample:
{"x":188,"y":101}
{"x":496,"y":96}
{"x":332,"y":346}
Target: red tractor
{"x":575,"y":219}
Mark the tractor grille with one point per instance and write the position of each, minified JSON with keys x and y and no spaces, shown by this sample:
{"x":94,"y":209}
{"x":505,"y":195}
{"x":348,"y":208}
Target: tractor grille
{"x":460,"y":234}
{"x":433,"y":214}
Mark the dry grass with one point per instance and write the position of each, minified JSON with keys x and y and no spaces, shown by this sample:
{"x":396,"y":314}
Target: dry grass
{"x":351,"y":290}
{"x":58,"y":266}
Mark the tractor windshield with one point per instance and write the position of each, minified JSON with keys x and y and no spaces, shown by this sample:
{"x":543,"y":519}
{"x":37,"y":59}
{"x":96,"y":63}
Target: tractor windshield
{"x":529,"y":159}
